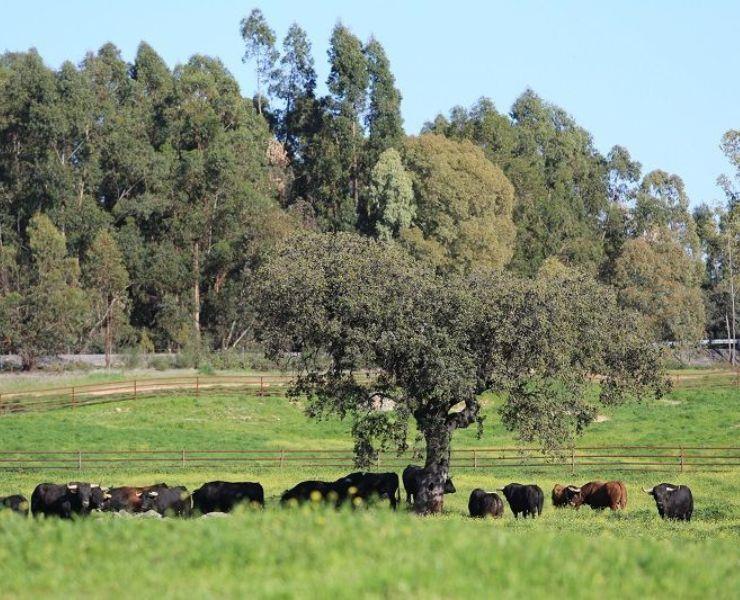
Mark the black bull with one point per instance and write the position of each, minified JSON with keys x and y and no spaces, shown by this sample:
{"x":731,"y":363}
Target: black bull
{"x":369,"y":485}
{"x":527,"y":500}
{"x":67,"y":500}
{"x":223,"y":496}
{"x":673,"y":501}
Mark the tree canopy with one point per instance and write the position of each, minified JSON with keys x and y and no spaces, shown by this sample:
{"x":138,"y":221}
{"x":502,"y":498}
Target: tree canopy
{"x":434,"y":343}
{"x":464,"y":205}
{"x":195,"y":182}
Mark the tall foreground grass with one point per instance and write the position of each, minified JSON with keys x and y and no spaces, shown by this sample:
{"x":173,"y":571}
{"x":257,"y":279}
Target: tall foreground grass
{"x":326,"y":554}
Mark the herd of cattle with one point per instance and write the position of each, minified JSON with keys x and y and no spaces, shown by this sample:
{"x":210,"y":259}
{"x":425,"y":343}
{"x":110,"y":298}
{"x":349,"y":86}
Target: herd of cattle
{"x":79,"y":499}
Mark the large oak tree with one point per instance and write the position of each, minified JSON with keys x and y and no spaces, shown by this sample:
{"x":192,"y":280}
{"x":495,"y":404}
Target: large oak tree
{"x":344,"y":304}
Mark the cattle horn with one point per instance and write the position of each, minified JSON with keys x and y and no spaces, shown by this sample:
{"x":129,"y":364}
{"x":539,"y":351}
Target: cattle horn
{"x":650,"y":491}
{"x":670,"y":489}
{"x":153,"y":494}
{"x":575,"y":489}
{"x":72,"y":486}
{"x":94,"y":485}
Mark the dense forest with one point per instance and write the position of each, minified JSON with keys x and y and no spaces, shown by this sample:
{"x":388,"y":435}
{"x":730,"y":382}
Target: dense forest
{"x":137,"y":202}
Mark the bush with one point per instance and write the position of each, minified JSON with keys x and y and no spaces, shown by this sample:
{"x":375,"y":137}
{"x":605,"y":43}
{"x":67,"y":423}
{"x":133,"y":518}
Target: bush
{"x":131,"y":357}
{"x":161,"y":363}
{"x":206,"y":368}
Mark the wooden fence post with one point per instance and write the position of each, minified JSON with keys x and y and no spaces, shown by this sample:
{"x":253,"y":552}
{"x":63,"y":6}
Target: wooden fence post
{"x":262,"y":386}
{"x":74,"y":401}
{"x":680,"y":468}
{"x":79,"y":460}
{"x":475,"y":459}
{"x":197,"y":387}
{"x":134,"y":389}
{"x":282,"y":457}
{"x":182,"y":457}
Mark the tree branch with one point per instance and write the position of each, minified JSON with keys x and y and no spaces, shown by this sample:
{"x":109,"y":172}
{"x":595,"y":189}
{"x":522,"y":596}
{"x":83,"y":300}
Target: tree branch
{"x":465,"y":417}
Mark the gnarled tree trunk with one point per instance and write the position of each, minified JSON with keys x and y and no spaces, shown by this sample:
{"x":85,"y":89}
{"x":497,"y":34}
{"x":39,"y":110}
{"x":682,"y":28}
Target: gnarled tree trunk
{"x":430,"y":498}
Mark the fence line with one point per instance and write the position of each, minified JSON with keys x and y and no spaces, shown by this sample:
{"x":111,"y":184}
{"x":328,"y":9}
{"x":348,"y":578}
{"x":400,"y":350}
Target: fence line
{"x":667,"y":458}
{"x":261,"y":385}
{"x":99,"y":393}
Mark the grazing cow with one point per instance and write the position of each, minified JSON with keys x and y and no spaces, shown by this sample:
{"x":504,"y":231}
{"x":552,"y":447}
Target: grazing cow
{"x":167,"y":501}
{"x":16,"y":503}
{"x":318,"y":491}
{"x":412,"y":476}
{"x":381,"y":485}
{"x":60,"y":500}
{"x":128,"y":498}
{"x":599,"y":495}
{"x":483,"y":504}
{"x":673,"y":501}
{"x":222,"y":496}
{"x":561,"y":494}
{"x":525,"y":499}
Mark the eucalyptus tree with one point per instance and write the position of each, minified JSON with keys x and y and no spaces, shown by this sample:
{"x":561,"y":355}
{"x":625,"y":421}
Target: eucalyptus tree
{"x":434,"y":344}
{"x":390,"y":196}
{"x":347,"y":82}
{"x":558,"y":175}
{"x":295,"y":85}
{"x":383,"y":119}
{"x":44,"y":310}
{"x":729,"y":236}
{"x":220,"y":175}
{"x":655,"y":276}
{"x":662,"y":203}
{"x":259,"y":44}
{"x":107,"y":281}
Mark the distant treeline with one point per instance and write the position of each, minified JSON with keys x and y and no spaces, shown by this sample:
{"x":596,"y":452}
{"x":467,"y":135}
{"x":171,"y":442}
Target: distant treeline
{"x":137,"y":201}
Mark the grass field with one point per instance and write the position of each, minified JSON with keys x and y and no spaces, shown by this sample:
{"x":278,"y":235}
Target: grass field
{"x":375,"y":553}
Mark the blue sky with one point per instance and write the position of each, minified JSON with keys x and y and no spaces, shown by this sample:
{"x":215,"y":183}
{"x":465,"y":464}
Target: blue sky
{"x":660,"y":77}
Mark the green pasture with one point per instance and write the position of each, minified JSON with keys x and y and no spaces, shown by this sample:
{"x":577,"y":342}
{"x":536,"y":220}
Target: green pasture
{"x":708,"y":416}
{"x":370,"y":552}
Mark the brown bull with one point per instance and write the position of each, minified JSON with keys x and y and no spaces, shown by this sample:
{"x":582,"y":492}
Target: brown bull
{"x":128,"y":498}
{"x":562,"y":494}
{"x":600,"y":494}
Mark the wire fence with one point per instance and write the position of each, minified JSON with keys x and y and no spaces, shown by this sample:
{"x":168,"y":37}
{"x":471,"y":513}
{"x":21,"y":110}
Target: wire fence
{"x":74,"y":396}
{"x":665,"y":458}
